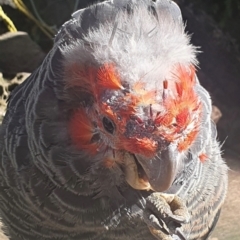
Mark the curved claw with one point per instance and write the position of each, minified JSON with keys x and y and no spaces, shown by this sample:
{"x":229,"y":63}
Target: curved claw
{"x":165,"y":214}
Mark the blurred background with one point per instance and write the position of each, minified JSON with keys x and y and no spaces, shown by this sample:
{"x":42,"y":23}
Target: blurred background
{"x":27,"y":29}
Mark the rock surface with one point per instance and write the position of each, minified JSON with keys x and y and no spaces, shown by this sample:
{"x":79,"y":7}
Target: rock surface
{"x":6,"y":86}
{"x":18,"y":53}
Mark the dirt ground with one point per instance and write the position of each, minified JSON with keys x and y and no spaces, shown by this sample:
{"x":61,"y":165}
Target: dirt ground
{"x":2,"y":236}
{"x":228,"y":227}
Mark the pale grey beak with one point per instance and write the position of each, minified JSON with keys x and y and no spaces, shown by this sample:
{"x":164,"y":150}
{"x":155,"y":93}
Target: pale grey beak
{"x":162,"y":169}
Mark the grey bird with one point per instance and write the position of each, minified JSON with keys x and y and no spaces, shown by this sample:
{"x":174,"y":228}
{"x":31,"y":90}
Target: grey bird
{"x":111,"y":137}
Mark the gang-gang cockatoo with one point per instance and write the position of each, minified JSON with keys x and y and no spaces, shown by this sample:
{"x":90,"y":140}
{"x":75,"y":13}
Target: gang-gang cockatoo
{"x":111,"y":137}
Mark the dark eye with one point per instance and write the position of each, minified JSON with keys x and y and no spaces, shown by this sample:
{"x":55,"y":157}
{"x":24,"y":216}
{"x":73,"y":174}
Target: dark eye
{"x":108,"y":125}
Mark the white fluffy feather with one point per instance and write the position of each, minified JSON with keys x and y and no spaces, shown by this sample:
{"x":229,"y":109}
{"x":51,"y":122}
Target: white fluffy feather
{"x":143,"y":46}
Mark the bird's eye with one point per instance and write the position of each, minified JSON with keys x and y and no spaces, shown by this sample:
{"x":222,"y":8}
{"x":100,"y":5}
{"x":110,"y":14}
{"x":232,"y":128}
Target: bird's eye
{"x":108,"y":125}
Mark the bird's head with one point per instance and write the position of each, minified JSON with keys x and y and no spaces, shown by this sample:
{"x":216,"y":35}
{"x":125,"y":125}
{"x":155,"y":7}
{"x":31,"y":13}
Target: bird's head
{"x":135,"y":82}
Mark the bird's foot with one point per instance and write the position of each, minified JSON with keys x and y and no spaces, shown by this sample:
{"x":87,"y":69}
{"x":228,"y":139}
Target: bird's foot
{"x":165,"y":214}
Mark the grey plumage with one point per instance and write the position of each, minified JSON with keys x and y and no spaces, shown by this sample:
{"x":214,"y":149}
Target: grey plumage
{"x":49,"y":188}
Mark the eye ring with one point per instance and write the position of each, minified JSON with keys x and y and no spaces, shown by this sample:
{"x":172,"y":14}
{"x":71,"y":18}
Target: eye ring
{"x":108,"y":125}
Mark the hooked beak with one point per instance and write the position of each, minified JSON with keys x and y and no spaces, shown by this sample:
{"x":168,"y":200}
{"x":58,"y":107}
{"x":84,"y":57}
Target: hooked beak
{"x":157,"y":173}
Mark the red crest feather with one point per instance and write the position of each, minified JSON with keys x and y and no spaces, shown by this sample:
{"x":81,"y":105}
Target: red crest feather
{"x":144,"y":146}
{"x":178,"y":109}
{"x":108,"y":77}
{"x":203,"y":157}
{"x":188,"y":140}
{"x":81,"y":131}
